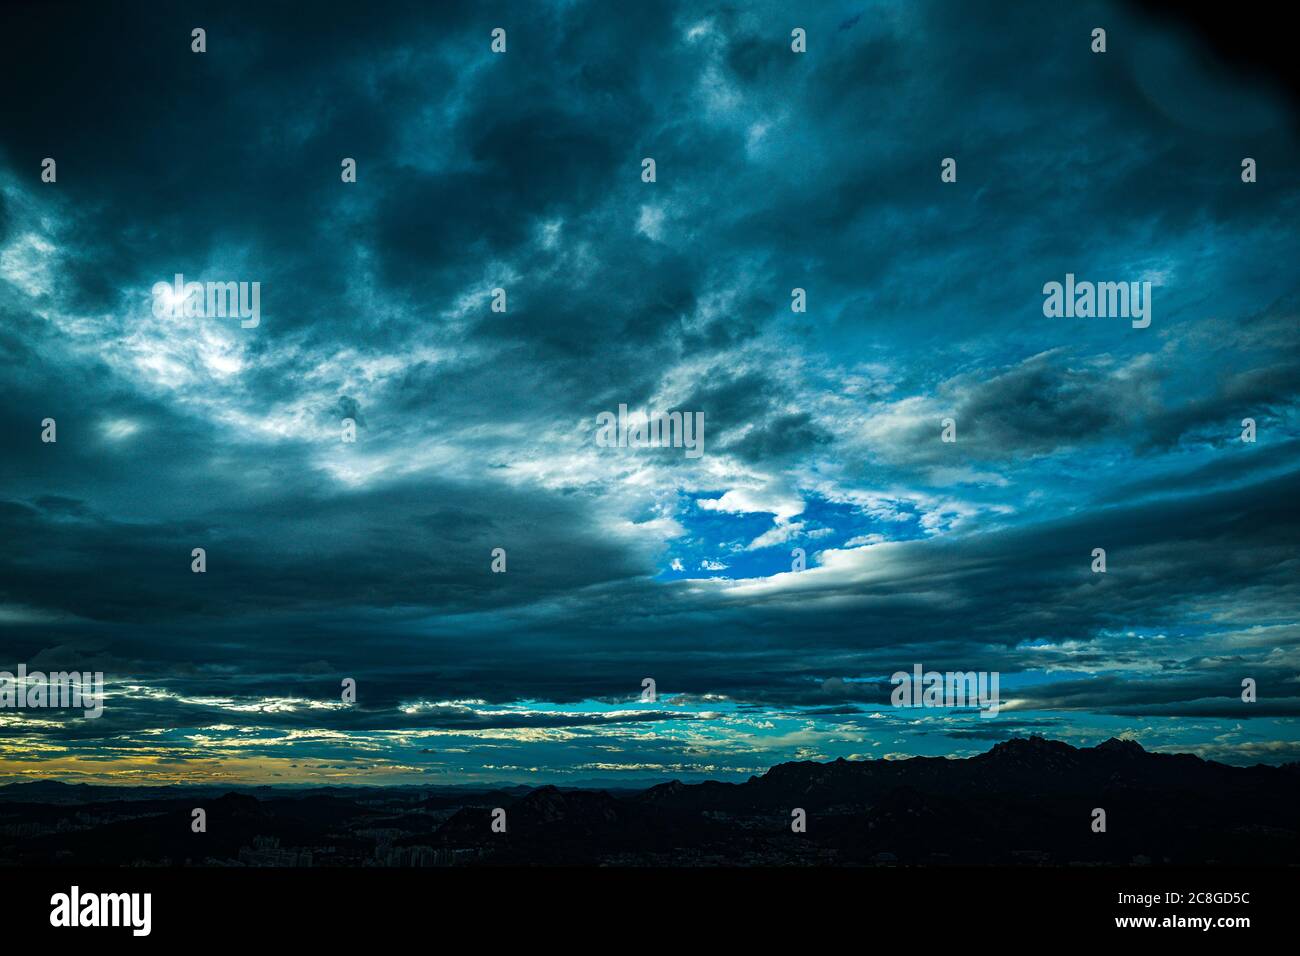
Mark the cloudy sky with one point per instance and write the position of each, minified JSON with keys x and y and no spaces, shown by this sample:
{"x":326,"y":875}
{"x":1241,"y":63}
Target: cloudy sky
{"x":477,"y":429}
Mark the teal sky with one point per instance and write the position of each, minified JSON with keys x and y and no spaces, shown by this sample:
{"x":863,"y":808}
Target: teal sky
{"x":476,"y":429}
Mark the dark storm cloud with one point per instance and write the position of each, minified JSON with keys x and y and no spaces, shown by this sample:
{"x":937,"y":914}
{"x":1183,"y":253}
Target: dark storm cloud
{"x":1190,"y":697}
{"x":522,"y":171}
{"x":995,"y":591}
{"x":304,"y":554}
{"x":780,"y":436}
{"x":1038,"y":406}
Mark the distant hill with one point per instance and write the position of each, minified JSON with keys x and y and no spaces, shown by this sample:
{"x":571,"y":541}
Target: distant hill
{"x":1024,"y":802}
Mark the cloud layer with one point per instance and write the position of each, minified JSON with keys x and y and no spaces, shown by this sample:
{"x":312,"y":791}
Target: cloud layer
{"x":476,"y":429}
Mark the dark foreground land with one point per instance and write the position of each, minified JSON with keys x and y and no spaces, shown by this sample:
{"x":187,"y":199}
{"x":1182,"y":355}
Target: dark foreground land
{"x":1025,"y":802}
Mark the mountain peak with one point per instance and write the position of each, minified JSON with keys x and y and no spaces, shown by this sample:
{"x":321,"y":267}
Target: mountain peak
{"x":1115,"y":745}
{"x":1029,"y":745}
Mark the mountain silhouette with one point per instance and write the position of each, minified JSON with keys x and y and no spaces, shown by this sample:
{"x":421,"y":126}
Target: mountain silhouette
{"x":1027,"y":801}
